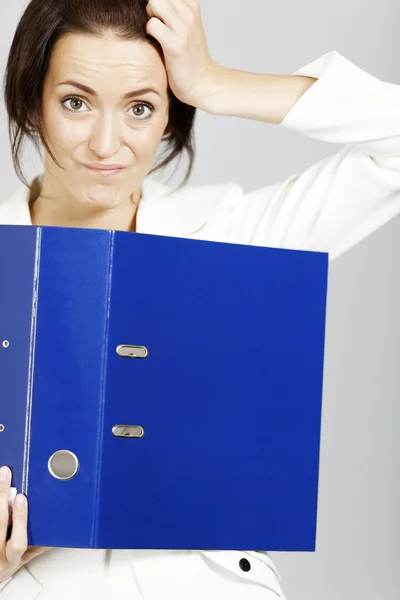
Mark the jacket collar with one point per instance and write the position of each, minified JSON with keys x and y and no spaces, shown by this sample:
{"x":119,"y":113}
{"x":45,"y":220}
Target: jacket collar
{"x":15,"y":210}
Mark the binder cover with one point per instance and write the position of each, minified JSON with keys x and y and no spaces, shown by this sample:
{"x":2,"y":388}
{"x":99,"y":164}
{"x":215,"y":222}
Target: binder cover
{"x":183,"y":377}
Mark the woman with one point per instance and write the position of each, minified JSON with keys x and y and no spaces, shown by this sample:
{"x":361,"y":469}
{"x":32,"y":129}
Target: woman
{"x":100,"y":85}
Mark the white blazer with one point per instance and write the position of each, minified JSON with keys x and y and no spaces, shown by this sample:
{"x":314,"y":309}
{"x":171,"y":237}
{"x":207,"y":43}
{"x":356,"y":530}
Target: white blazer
{"x":330,"y":207}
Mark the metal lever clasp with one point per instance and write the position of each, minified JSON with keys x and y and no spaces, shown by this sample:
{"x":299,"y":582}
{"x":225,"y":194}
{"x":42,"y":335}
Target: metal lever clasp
{"x":128,"y":431}
{"x":127,"y":351}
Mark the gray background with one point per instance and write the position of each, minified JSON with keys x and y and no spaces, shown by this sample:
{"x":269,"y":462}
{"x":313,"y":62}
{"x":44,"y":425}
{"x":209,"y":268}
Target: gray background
{"x":358,"y":555}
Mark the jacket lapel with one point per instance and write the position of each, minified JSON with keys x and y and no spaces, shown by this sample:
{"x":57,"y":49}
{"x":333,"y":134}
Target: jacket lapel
{"x":22,"y":585}
{"x":15,"y":210}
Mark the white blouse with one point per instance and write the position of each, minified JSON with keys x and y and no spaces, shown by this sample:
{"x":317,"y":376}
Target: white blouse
{"x":330,"y":207}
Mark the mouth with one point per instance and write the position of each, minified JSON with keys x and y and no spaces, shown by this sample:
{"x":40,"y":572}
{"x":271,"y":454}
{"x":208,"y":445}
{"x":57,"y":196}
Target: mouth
{"x":105,"y":170}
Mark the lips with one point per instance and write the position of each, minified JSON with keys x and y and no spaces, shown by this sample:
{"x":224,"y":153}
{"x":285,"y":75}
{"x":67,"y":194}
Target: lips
{"x":105,"y":169}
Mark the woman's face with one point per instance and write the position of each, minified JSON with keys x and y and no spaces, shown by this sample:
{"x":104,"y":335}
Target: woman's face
{"x":105,"y":102}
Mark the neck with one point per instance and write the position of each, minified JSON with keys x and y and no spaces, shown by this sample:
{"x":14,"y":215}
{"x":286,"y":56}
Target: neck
{"x":55,"y":207}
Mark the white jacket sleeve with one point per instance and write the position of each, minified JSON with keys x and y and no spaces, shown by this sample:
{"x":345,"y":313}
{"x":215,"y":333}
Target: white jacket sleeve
{"x":348,"y":106}
{"x":342,"y":199}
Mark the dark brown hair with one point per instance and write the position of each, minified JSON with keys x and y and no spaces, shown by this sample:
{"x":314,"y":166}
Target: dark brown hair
{"x":41,"y":25}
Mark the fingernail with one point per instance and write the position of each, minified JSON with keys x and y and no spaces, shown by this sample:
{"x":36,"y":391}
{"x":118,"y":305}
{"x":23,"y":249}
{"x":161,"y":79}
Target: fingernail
{"x":20,"y":501}
{"x":5,"y":474}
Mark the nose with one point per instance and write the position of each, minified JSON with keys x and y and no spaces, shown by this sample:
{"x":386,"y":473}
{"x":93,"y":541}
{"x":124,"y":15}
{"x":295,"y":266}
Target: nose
{"x":105,"y":137}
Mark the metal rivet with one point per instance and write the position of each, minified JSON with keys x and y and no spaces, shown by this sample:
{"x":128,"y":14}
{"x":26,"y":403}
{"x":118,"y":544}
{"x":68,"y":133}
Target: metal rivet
{"x":6,"y":344}
{"x":2,"y":428}
{"x":63,"y":465}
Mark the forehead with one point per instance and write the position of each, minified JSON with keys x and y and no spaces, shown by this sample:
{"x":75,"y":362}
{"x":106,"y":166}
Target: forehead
{"x":107,"y":60}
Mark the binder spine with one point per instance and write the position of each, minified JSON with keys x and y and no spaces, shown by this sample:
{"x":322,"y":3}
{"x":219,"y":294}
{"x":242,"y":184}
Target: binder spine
{"x":100,"y":423}
{"x":66,"y":387}
{"x":31,"y":366}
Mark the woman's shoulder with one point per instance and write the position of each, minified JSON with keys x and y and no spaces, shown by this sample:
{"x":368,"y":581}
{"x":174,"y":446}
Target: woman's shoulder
{"x":203,"y":194}
{"x":185,"y":210}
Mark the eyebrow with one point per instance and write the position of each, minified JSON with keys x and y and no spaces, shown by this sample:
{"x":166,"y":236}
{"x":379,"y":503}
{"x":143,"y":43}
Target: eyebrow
{"x":88,"y":90}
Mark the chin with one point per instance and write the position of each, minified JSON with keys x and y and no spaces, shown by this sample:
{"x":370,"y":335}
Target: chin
{"x":104,"y":196}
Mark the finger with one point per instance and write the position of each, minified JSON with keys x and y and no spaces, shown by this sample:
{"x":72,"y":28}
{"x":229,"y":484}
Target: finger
{"x":193,"y":5}
{"x":149,"y":11}
{"x":165,"y":11}
{"x":34,"y":551}
{"x":159,"y":31}
{"x":18,"y":542}
{"x":184,"y":10}
{"x":5,"y":483}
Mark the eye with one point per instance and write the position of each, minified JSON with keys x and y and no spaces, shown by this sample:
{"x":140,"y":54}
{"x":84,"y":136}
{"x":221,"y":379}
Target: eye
{"x":75,"y":104}
{"x":139,"y":110}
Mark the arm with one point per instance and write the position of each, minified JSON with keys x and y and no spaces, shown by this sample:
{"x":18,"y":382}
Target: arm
{"x":338,"y":201}
{"x":197,"y":80}
{"x":266,"y":98}
{"x":330,"y":99}
{"x":341,"y":200}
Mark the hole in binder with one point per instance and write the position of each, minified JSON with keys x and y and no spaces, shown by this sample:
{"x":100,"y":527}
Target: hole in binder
{"x":6,"y":344}
{"x":127,"y":351}
{"x":63,"y":465}
{"x":128,"y":431}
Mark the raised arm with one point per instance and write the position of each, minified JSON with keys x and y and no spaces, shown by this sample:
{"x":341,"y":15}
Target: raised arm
{"x":266,"y":98}
{"x":197,"y":80}
{"x":335,"y":203}
{"x":330,"y":99}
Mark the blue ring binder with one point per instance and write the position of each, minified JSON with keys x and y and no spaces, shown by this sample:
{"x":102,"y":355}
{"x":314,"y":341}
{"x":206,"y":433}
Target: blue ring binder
{"x":229,"y":396}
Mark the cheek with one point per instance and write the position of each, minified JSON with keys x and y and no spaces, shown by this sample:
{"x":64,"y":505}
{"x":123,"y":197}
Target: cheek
{"x":63,"y":134}
{"x":145,"y":141}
